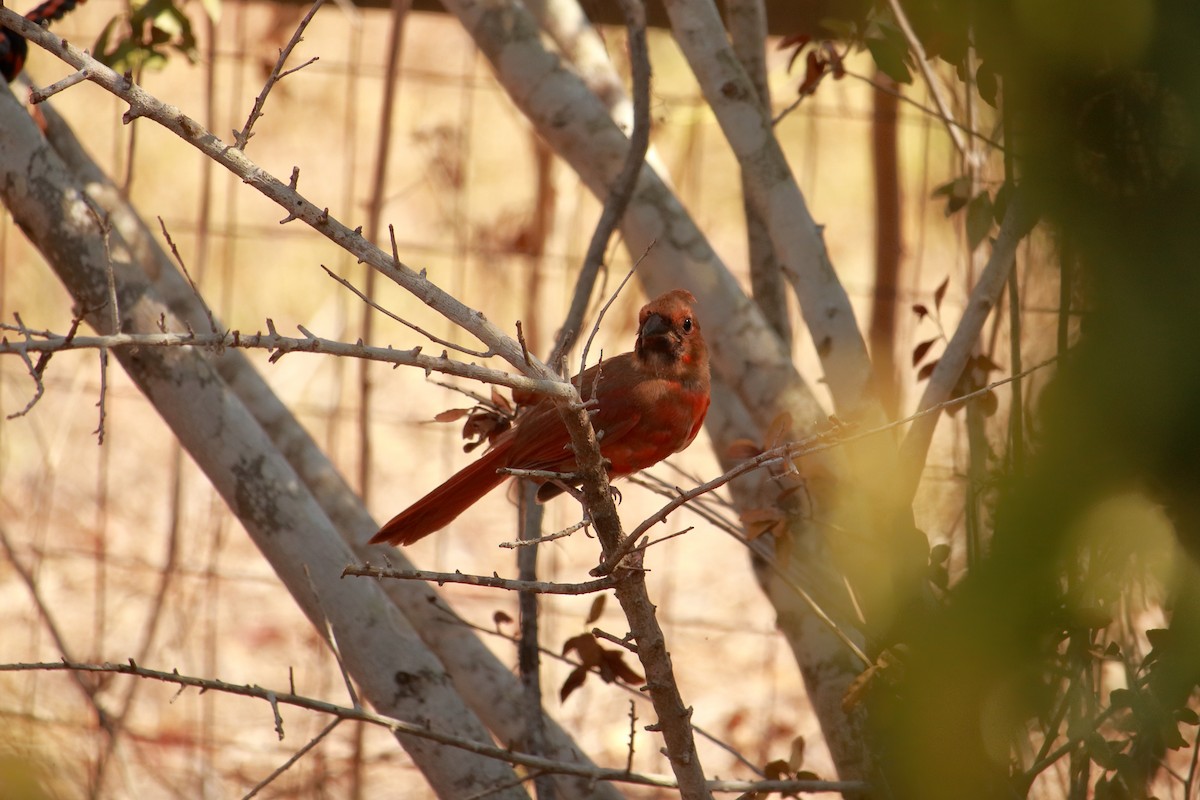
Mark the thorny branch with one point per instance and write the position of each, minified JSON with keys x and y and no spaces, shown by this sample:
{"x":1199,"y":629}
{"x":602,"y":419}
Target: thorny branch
{"x":143,"y":104}
{"x":427,"y":731}
{"x":491,"y":581}
{"x":278,"y":346}
{"x":243,"y":136}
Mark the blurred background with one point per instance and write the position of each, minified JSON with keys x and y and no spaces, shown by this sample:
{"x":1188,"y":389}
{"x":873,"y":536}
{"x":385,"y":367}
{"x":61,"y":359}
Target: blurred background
{"x":119,"y":549}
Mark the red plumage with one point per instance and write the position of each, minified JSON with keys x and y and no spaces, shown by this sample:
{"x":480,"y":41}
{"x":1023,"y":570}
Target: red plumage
{"x":650,"y":403}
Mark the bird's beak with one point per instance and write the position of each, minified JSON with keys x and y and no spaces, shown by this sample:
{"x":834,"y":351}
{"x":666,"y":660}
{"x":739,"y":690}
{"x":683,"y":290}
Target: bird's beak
{"x":655,"y":325}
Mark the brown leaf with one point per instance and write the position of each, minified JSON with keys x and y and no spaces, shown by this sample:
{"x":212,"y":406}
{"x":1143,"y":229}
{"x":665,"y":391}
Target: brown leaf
{"x":796,"y":759}
{"x":799,"y":41}
{"x":920,"y":310}
{"x":779,"y":430}
{"x":982,"y":362}
{"x":589,"y":650}
{"x":500,"y":618}
{"x":988,"y":403}
{"x":501,"y":402}
{"x":573,"y":682}
{"x":814,"y":71}
{"x":452,"y":414}
{"x":615,"y":661}
{"x":597,"y":609}
{"x":927,"y":370}
{"x":940,"y":292}
{"x":742,"y":449}
{"x":776,"y":770}
{"x":922,"y":348}
{"x":758,"y":521}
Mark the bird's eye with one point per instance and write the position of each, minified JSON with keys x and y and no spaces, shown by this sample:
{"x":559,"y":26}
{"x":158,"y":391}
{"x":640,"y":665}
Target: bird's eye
{"x":687,"y":324}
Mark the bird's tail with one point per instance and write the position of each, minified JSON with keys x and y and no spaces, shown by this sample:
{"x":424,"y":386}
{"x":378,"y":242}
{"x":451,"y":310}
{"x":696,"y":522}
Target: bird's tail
{"x":442,"y":506}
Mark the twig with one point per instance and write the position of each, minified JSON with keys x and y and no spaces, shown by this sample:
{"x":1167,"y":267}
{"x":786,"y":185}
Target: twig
{"x":621,"y":191}
{"x":632,"y":736}
{"x":212,"y":322}
{"x":932,"y":112}
{"x":429,"y":733}
{"x":243,"y":136}
{"x":366,"y":299}
{"x":142,"y":104}
{"x":331,"y":640}
{"x":1019,"y":220}
{"x":931,"y":78}
{"x":281,"y":345}
{"x":600,"y":316}
{"x":35,"y":370}
{"x":491,"y":581}
{"x":45,"y":93}
{"x":103,"y":718}
{"x":454,"y":618}
{"x":549,"y":537}
{"x":313,"y":742}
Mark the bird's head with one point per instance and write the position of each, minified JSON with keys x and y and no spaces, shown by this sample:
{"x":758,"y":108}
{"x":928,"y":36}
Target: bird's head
{"x":669,"y":338}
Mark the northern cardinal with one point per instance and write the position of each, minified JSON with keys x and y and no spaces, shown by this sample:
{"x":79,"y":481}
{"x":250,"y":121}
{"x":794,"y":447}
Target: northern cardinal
{"x":649,"y":404}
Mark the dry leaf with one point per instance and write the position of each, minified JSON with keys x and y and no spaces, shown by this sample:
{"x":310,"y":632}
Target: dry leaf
{"x":597,"y":609}
{"x":742,"y":449}
{"x":779,"y":430}
{"x":452,"y":414}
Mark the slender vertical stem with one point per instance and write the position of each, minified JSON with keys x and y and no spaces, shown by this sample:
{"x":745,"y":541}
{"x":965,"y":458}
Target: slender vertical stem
{"x":528,"y":649}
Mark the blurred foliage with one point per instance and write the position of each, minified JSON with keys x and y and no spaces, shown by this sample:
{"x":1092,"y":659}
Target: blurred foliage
{"x":1040,"y":657}
{"x":147,"y":32}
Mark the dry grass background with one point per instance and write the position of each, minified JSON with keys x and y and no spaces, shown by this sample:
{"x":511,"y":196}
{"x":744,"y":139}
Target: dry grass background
{"x":131,"y":553}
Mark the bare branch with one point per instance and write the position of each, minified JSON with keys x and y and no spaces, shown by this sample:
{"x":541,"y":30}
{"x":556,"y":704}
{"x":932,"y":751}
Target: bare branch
{"x":1019,"y":220}
{"x":142,"y":104}
{"x":492,"y":581}
{"x":444,"y":342}
{"x":430,"y":733}
{"x":549,"y":537}
{"x":212,"y":322}
{"x":41,"y":95}
{"x":282,"y":345}
{"x":243,"y":136}
{"x":936,"y":90}
{"x":622,"y":189}
{"x":309,"y":745}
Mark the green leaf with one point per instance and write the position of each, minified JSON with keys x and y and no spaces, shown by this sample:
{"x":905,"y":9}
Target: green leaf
{"x":890,"y":59}
{"x":986,"y":83}
{"x":979,"y":219}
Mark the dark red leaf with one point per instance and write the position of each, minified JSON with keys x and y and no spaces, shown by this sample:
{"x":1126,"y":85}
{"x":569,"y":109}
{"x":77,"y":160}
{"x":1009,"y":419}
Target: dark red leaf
{"x":800,"y":40}
{"x":982,"y":362}
{"x":573,"y":682}
{"x":500,"y":618}
{"x":815,"y":70}
{"x":452,"y":414}
{"x":925,"y":371}
{"x":615,"y":661}
{"x":597,"y":609}
{"x":988,"y":403}
{"x":589,"y":650}
{"x":921,"y":350}
{"x":920,"y":310}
